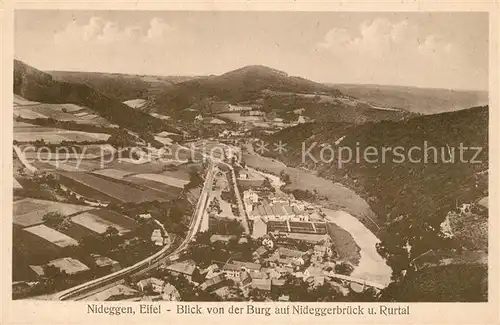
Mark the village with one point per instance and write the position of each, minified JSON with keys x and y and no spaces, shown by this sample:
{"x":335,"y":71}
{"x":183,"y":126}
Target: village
{"x":279,"y":248}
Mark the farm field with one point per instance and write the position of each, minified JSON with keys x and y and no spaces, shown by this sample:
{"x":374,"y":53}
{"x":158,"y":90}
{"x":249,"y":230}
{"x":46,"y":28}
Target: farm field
{"x":115,"y":218}
{"x":160,"y":116}
{"x":95,"y":221}
{"x":29,"y":212}
{"x":113,"y":173}
{"x":131,"y":168}
{"x":76,"y":231}
{"x":236,"y":117}
{"x":24,"y":132}
{"x":135,"y":103}
{"x":170,"y":191}
{"x":165,"y":179}
{"x":60,"y":112}
{"x":52,"y":235}
{"x":95,"y":187}
{"x":31,"y":249}
{"x":19,"y":100}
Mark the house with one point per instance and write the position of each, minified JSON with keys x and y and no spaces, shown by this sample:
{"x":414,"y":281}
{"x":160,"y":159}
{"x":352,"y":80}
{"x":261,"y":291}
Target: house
{"x":170,"y":293}
{"x":278,"y":282}
{"x":211,"y":271}
{"x":145,"y":216}
{"x":314,"y":275}
{"x":221,"y":238}
{"x":245,"y":280}
{"x":251,"y":196}
{"x":259,"y":275}
{"x":104,"y":262}
{"x":157,"y":237}
{"x":247,"y":266}
{"x":67,"y":265}
{"x":242,"y":175}
{"x":261,"y":284}
{"x":184,"y":268}
{"x":239,"y":108}
{"x":154,"y":284}
{"x":284,"y":298}
{"x":287,"y":257}
{"x":260,"y":252}
{"x":38,"y":270}
{"x":284,"y":270}
{"x":217,"y":121}
{"x":301,"y":119}
{"x":256,"y":113}
{"x":212,"y":282}
{"x":232,"y":271}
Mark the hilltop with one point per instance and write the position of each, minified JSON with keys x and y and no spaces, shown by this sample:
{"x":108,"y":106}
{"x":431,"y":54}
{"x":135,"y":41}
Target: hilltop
{"x":271,"y":90}
{"x":39,"y":86}
{"x":121,"y":86}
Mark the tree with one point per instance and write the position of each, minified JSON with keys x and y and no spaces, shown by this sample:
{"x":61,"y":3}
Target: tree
{"x":285,"y":178}
{"x":344,"y":268}
{"x":111,"y":232}
{"x":56,"y":220}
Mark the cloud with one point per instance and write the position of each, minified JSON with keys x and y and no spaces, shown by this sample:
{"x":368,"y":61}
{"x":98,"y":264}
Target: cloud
{"x":158,"y":29}
{"x":98,"y":30}
{"x":380,"y":38}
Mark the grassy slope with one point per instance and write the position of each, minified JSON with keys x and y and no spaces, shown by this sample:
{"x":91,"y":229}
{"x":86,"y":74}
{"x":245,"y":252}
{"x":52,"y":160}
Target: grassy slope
{"x":36,"y":85}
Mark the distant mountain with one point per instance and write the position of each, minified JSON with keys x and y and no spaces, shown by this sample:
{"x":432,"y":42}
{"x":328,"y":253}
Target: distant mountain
{"x":414,"y":99}
{"x":121,"y":86}
{"x":39,"y":86}
{"x":273,"y":90}
{"x":240,"y":85}
{"x":414,"y":197}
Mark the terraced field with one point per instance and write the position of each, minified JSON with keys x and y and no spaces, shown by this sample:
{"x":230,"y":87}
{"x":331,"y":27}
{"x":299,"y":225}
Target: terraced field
{"x":24,"y":132}
{"x":60,"y":112}
{"x":52,"y":235}
{"x":95,"y":187}
{"x":165,"y":179}
{"x":99,"y":220}
{"x":29,"y":212}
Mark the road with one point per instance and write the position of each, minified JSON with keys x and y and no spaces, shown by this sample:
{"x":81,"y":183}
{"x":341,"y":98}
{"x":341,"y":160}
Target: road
{"x":241,"y":207}
{"x":24,"y":161}
{"x":89,"y":288}
{"x":355,"y":280}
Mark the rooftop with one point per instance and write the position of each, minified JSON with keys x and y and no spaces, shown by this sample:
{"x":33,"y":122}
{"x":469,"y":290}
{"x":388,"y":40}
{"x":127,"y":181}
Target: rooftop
{"x":69,"y":265}
{"x":185,"y":267}
{"x":261,"y":284}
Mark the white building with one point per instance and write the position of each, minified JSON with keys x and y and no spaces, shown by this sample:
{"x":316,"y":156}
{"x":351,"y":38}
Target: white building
{"x":157,"y":237}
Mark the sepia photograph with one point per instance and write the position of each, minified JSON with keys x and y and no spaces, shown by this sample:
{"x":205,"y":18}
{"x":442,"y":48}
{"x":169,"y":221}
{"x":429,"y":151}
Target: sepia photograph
{"x":250,"y":156}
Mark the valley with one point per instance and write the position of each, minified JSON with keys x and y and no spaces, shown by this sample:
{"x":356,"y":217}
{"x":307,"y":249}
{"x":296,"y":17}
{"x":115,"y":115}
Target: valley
{"x":202,"y":183}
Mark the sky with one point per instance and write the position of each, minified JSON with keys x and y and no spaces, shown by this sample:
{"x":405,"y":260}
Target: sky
{"x":436,"y":50}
